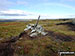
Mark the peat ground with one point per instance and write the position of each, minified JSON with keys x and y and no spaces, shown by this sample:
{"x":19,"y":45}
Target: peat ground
{"x":7,"y":47}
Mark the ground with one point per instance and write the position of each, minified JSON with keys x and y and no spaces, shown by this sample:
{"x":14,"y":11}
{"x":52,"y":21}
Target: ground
{"x":60,"y":37}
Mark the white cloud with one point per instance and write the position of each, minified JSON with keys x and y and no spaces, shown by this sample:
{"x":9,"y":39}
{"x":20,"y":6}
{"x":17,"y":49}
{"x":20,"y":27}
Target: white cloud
{"x":17,"y":14}
{"x":13,"y":11}
{"x":20,"y":14}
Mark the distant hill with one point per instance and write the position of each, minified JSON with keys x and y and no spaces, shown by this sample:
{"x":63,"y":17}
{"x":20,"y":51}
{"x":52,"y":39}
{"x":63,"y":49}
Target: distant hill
{"x":14,"y":20}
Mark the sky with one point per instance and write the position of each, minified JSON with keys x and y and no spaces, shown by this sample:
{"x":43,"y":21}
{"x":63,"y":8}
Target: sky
{"x":31,"y":9}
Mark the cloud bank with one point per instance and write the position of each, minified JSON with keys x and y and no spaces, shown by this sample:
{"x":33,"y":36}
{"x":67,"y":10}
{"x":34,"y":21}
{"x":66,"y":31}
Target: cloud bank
{"x":20,"y":14}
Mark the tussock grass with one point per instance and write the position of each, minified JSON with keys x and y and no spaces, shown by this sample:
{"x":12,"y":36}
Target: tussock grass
{"x":41,"y":46}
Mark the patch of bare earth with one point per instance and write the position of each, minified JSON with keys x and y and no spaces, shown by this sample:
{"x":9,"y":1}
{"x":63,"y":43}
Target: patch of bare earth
{"x":7,"y":48}
{"x":61,"y":37}
{"x":69,"y":24}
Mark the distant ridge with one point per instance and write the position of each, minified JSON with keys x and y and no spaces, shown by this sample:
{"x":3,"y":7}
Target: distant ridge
{"x":14,"y":20}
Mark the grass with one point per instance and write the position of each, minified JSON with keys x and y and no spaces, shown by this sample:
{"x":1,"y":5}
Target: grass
{"x":40,"y":46}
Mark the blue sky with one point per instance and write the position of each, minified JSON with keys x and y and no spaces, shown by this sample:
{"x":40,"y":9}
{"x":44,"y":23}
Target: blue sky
{"x":30,"y":9}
